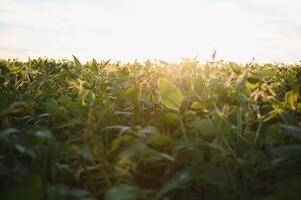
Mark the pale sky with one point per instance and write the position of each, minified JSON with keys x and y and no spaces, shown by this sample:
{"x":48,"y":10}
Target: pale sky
{"x":269,"y":30}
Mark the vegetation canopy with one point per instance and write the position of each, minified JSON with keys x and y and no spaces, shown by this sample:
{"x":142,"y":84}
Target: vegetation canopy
{"x":151,"y":130}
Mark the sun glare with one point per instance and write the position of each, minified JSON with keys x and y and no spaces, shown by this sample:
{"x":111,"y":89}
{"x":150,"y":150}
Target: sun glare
{"x":140,"y":29}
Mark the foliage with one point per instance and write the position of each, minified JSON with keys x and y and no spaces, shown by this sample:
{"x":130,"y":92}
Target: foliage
{"x":151,"y":130}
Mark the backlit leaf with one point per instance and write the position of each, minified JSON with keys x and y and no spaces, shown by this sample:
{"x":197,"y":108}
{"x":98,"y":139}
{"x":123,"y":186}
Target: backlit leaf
{"x":170,"y":95}
{"x":204,"y":126}
{"x":76,"y":62}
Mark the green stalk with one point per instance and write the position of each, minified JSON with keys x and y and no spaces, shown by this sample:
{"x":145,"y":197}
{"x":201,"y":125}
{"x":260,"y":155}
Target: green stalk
{"x":182,"y":126}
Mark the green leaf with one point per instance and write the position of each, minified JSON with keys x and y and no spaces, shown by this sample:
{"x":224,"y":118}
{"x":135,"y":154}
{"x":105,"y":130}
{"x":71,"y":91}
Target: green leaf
{"x":170,"y":118}
{"x":183,"y":144}
{"x":291,"y":98}
{"x":123,"y":192}
{"x":242,"y":83}
{"x":160,"y":140}
{"x":52,"y":107}
{"x":45,"y":134}
{"x":14,"y":70}
{"x":140,"y":151}
{"x":251,"y":86}
{"x":204,"y":126}
{"x":253,"y":81}
{"x":132,"y":94}
{"x":214,"y":176}
{"x":148,"y":130}
{"x":235,"y":67}
{"x":291,"y":130}
{"x":61,"y":192}
{"x":78,"y":193}
{"x":76,"y":62}
{"x":248,"y":81}
{"x":31,"y":189}
{"x":287,"y":151}
{"x":121,"y":140}
{"x":7,"y":132}
{"x":291,"y":191}
{"x":189,"y":115}
{"x":220,"y":124}
{"x":273,"y":134}
{"x":167,"y":119}
{"x":85,"y":152}
{"x":170,"y":95}
{"x":120,"y":128}
{"x":198,"y":86}
{"x":65,"y":100}
{"x":25,"y":150}
{"x":57,"y":192}
{"x":196,"y":105}
{"x":255,"y":155}
{"x":94,"y":67}
{"x":180,"y":179}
